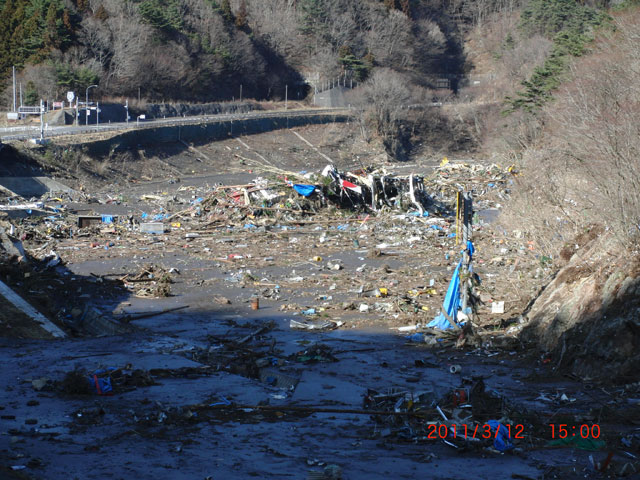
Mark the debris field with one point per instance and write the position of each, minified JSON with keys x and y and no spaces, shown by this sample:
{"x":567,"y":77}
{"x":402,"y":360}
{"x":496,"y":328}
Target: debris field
{"x":273,"y":324}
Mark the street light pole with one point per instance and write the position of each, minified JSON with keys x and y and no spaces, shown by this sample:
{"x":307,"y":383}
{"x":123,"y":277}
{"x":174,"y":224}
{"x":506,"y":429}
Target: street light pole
{"x":14,"y":89}
{"x":86,"y":103}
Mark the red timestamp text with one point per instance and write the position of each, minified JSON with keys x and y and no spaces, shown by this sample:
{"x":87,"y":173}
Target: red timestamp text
{"x":479,"y":431}
{"x":563,"y":430}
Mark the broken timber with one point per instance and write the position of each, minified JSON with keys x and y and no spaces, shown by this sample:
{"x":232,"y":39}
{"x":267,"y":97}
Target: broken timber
{"x":31,"y":312}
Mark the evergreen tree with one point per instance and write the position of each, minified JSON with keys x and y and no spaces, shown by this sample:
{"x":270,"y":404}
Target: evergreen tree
{"x":31,"y":32}
{"x":31,"y":96}
{"x":161,"y":14}
{"x":225,"y":9}
{"x":569,"y":24}
{"x":313,"y":16}
{"x":51,"y":39}
{"x":6,"y":31}
{"x":16,"y":32}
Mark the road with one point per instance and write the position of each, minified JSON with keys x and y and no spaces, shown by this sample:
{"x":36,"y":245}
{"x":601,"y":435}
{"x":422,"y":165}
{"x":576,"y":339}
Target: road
{"x":26,"y":132}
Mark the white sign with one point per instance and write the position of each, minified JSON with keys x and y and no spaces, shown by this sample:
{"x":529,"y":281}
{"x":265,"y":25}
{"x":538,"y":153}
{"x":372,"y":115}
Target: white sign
{"x":142,"y":117}
{"x":12,"y":115}
{"x":70,"y":96}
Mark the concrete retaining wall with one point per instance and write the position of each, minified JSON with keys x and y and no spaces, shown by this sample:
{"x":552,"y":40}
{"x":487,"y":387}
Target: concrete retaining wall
{"x":205,"y":132}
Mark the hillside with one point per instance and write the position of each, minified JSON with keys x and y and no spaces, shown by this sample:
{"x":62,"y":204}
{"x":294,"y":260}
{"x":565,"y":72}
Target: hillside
{"x":203,"y":50}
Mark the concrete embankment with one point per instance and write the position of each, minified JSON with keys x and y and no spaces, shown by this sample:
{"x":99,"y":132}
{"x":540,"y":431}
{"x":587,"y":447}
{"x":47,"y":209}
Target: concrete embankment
{"x":207,"y":131}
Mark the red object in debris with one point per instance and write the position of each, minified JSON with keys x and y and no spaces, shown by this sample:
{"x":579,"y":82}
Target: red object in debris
{"x":351,"y":186}
{"x":459,"y":397}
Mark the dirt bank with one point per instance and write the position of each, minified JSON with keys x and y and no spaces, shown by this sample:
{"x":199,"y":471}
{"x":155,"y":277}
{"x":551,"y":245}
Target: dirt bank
{"x":587,"y":317}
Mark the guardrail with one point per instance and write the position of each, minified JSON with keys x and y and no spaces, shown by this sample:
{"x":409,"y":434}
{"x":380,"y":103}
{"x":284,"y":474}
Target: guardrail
{"x":175,"y":121}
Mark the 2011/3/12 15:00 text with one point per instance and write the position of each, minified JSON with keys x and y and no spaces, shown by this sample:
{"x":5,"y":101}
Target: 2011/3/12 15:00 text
{"x":442,"y":430}
{"x":563,"y":430}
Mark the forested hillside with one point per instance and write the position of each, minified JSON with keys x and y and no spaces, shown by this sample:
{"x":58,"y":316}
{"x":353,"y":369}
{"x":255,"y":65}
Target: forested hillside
{"x":200,"y":50}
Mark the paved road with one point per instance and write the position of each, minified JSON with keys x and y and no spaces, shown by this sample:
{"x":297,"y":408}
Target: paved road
{"x":27,"y":132}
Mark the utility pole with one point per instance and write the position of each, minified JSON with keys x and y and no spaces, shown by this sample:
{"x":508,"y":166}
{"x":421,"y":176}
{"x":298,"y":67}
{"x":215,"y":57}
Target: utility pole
{"x":126,"y":107}
{"x":467,"y":224}
{"x":14,"y":88}
{"x":97,"y":113}
{"x":21,"y":94}
{"x":286,"y":96}
{"x":86,"y":103}
{"x":138,"y":97}
{"x":41,"y":121}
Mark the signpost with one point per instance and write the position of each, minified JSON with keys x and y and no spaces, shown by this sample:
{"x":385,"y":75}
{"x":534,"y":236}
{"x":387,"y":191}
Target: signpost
{"x":26,"y":110}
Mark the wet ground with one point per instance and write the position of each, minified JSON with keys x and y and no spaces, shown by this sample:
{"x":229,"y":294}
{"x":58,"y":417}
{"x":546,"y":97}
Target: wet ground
{"x":165,"y":430}
{"x":216,"y":389}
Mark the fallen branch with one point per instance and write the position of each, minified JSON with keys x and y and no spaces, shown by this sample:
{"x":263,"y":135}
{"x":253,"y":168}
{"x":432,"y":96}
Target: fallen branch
{"x":251,"y":335}
{"x":139,"y":315}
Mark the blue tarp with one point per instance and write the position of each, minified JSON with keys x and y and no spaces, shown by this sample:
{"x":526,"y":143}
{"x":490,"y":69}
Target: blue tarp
{"x":101,"y":385}
{"x":304,"y":190}
{"x":502,"y":441}
{"x":451,"y":302}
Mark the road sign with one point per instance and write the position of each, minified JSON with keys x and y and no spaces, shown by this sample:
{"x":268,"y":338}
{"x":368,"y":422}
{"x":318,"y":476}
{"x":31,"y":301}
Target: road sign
{"x":70,"y":96}
{"x":30,"y":110}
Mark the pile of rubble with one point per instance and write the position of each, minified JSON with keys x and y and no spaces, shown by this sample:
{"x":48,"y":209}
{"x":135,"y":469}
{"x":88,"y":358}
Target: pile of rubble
{"x":335,"y":204}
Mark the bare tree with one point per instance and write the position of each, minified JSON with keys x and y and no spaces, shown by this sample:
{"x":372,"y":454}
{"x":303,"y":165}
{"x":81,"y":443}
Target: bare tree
{"x":277,"y":23}
{"x":389,"y":39}
{"x":384,"y":106}
{"x":591,"y":146}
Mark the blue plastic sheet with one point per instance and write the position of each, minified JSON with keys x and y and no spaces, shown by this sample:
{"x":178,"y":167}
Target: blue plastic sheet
{"x":107,"y":218}
{"x":502,"y":441}
{"x":304,"y":190}
{"x":416,"y":338}
{"x":101,"y":385}
{"x":451,"y":302}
